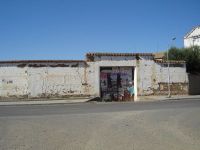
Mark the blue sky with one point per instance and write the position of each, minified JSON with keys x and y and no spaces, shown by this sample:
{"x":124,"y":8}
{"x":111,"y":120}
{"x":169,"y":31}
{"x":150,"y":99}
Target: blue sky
{"x":67,"y":29}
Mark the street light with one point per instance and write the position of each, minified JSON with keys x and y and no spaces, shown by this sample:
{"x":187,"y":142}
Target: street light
{"x":169,"y":90}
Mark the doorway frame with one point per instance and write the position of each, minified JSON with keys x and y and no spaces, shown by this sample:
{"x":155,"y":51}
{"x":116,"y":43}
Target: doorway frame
{"x":134,"y":79}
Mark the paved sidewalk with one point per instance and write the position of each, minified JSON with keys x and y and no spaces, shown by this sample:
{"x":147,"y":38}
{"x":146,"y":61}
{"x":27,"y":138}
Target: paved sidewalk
{"x":43,"y":101}
{"x":86,"y":99}
{"x":173,"y":97}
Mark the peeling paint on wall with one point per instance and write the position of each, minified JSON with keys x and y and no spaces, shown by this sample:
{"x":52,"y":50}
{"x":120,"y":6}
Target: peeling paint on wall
{"x":176,"y":88}
{"x":43,"y":80}
{"x":62,"y":79}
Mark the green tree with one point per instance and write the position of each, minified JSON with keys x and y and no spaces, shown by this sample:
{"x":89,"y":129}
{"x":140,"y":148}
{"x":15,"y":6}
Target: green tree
{"x":190,"y":55}
{"x":175,"y":54}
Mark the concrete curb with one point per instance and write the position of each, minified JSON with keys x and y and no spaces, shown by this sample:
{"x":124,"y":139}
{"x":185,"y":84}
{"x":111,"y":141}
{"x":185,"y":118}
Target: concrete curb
{"x":170,"y":99}
{"x":42,"y":102}
{"x":183,"y":98}
{"x":83,"y":100}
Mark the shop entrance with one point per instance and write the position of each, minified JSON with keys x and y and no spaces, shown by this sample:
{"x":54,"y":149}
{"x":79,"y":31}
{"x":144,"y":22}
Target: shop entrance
{"x":116,"y":83}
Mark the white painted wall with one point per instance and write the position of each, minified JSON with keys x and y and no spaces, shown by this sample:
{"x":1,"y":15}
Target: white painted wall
{"x":42,"y":81}
{"x":192,"y":39}
{"x":13,"y":81}
{"x":64,"y":81}
{"x":189,"y":42}
{"x":106,"y":61}
{"x":150,"y":74}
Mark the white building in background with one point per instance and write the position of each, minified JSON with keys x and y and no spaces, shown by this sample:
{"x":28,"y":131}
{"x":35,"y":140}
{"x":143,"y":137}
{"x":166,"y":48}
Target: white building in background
{"x":192,"y":38}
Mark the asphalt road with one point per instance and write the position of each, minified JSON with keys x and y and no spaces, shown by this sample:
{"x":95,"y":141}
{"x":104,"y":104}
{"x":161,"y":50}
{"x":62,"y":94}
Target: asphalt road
{"x":161,"y":125}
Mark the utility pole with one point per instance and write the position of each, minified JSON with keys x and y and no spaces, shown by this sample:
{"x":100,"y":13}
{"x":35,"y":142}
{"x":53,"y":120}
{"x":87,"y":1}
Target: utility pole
{"x":169,"y":90}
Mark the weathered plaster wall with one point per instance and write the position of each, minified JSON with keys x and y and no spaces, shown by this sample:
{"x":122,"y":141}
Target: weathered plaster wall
{"x":13,"y":81}
{"x":111,"y":61}
{"x":105,"y":61}
{"x":153,"y":78}
{"x":80,"y":79}
{"x":94,"y":72}
{"x":43,"y":81}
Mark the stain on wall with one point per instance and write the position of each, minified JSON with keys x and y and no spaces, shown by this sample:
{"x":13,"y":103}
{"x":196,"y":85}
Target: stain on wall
{"x":175,"y":89}
{"x":43,"y":80}
{"x":61,"y":79}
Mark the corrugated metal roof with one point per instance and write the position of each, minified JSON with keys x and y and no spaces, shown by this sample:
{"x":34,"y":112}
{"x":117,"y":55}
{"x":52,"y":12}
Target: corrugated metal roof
{"x":119,"y":54}
{"x":40,"y":61}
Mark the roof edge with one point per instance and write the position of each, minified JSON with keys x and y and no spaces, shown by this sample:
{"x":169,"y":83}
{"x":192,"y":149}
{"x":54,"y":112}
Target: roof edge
{"x":118,"y":54}
{"x":188,"y":33}
{"x":40,"y":61}
{"x":171,"y":61}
